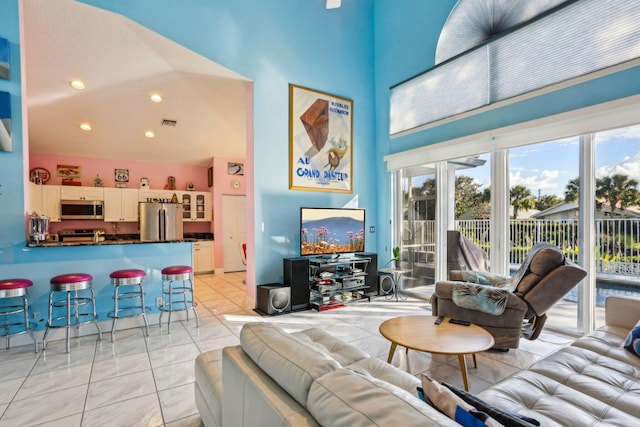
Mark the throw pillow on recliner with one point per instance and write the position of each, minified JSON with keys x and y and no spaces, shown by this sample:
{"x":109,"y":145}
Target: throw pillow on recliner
{"x":632,"y":342}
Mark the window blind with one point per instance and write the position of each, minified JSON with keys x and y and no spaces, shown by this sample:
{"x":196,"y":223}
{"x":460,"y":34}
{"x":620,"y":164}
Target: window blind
{"x":574,"y":41}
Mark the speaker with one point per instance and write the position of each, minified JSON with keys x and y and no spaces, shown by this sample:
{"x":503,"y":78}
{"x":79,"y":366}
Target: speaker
{"x":371,"y":279}
{"x":274,"y":298}
{"x":385,"y":284}
{"x":296,"y":276}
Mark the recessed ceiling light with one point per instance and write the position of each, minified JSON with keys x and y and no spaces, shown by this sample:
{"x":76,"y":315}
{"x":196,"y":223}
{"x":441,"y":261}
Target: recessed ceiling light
{"x":77,"y":84}
{"x":149,"y":134}
{"x":156,"y":98}
{"x":85,"y":126}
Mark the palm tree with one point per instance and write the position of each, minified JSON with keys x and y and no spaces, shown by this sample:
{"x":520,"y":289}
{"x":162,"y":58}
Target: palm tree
{"x":572,"y":190}
{"x":521,"y":199}
{"x":617,"y":188}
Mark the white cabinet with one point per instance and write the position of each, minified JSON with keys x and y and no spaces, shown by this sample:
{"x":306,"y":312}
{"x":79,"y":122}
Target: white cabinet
{"x":196,"y":205}
{"x":203,"y":256}
{"x":45,"y":200}
{"x":68,"y":192}
{"x":120,"y":205}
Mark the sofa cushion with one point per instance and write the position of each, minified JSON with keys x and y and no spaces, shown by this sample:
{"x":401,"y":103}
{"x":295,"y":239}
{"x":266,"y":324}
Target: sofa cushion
{"x":386,"y":372}
{"x":291,"y":362}
{"x":340,"y":351}
{"x":552,"y":403}
{"x":607,"y":341}
{"x":344,"y":398}
{"x":611,"y":382}
{"x":632,"y":342}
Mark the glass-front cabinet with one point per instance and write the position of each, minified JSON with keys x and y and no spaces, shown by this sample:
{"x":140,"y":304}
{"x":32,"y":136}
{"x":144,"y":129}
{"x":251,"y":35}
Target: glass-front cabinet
{"x":196,"y":206}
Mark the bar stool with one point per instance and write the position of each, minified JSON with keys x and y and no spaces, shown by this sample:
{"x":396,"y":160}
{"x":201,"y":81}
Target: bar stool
{"x":71,"y":285}
{"x":128,"y":278}
{"x":10,"y":289}
{"x":171,"y":293}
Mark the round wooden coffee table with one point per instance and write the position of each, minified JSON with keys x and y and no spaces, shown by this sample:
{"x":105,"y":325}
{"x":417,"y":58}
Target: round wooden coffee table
{"x":421,"y":334}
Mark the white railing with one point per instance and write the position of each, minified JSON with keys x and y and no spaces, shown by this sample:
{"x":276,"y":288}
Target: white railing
{"x":617,"y":240}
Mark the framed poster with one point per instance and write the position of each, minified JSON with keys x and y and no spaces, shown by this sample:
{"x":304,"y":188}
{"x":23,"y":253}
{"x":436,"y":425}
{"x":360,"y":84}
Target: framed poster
{"x":320,"y":141}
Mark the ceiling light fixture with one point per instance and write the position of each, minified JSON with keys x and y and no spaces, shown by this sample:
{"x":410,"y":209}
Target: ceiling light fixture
{"x":77,"y":84}
{"x":85,"y":126}
{"x":156,"y":98}
{"x":149,"y":134}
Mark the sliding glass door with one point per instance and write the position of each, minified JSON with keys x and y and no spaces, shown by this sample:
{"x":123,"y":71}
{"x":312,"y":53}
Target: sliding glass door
{"x":564,"y":191}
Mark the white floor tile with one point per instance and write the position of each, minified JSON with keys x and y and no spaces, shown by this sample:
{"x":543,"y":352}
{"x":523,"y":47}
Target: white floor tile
{"x":178,"y":402}
{"x":52,"y":381}
{"x":139,"y":380}
{"x":45,"y":407}
{"x":119,"y":389}
{"x":138,"y":411}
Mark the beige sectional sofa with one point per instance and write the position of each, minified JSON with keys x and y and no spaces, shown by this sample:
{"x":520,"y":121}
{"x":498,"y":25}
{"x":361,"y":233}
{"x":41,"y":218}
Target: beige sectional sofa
{"x":310,"y":378}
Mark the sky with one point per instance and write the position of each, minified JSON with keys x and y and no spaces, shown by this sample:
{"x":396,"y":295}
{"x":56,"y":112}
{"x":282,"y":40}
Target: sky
{"x":545,"y":168}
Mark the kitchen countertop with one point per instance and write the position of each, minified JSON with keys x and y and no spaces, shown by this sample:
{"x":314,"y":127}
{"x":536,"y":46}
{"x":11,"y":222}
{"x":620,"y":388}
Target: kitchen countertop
{"x":123,"y":239}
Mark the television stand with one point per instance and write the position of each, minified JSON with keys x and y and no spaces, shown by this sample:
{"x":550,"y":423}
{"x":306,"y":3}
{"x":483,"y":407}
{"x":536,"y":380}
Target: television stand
{"x":335,"y":282}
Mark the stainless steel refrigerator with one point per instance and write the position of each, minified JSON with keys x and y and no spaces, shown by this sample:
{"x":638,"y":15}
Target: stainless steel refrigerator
{"x":160,"y":221}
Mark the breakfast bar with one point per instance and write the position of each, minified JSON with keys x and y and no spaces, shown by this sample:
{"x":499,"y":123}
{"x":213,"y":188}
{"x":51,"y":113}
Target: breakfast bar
{"x":97,"y":259}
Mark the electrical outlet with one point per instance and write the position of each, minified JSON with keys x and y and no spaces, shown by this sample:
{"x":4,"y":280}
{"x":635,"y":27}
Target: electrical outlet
{"x":159,"y":302}
{"x":35,"y":314}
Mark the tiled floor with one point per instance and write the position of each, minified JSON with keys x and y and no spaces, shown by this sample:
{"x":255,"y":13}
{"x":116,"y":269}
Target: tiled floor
{"x":140,"y":381}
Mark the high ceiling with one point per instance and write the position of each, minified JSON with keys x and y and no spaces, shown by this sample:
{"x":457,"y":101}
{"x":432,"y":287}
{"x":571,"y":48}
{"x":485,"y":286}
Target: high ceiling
{"x":122,"y":64}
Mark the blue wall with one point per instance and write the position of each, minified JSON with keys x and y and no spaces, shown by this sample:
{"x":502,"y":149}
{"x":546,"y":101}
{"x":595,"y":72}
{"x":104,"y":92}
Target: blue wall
{"x":273,"y":43}
{"x":405,"y":42}
{"x":358,"y":51}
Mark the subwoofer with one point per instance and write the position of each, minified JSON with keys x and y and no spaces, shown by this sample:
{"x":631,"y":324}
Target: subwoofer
{"x":385,"y":284}
{"x":273,"y":298}
{"x":296,"y":276}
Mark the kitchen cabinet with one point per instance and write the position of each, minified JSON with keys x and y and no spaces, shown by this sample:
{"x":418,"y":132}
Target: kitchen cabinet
{"x":68,"y":192}
{"x":203,"y":256}
{"x":45,"y":200}
{"x":120,"y":205}
{"x":196,"y":205}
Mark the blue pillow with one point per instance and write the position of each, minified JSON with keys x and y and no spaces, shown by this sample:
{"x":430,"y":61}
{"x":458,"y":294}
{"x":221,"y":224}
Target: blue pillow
{"x":632,"y":343}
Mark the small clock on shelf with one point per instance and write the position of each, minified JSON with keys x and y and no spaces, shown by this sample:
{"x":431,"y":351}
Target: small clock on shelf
{"x":144,"y":183}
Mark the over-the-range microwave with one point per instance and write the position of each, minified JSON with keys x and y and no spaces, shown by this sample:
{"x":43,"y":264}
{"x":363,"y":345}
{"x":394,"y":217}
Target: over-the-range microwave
{"x":82,"y":209}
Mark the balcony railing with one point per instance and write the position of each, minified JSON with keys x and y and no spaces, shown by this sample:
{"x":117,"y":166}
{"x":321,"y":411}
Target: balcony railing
{"x":617,"y":240}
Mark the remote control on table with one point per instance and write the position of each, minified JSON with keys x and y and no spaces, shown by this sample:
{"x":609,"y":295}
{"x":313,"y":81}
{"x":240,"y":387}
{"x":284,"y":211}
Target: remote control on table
{"x":459,"y":322}
{"x":438,"y":320}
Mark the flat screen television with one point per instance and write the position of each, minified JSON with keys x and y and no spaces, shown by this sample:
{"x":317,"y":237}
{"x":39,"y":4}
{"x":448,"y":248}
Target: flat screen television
{"x":325,"y":231}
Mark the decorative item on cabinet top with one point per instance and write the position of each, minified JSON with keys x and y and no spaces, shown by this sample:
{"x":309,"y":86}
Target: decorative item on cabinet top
{"x":121,"y":175}
{"x":39,"y":175}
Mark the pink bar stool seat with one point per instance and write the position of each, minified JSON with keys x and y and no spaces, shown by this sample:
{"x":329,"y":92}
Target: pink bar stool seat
{"x":176,"y":296}
{"x":132,"y":275}
{"x":71,"y":282}
{"x":72,"y":302}
{"x":129,"y":301}
{"x":177,"y":272}
{"x":10,"y":289}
